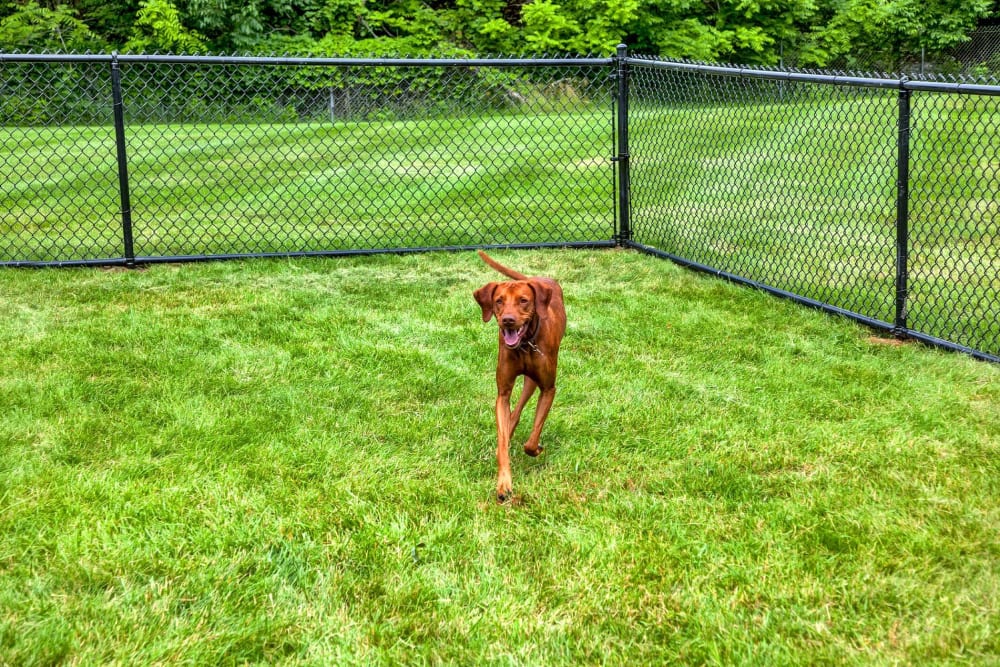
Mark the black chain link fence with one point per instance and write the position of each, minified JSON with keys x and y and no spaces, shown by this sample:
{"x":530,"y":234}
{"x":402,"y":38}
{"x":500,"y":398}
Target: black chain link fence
{"x":791,"y":185}
{"x":59,"y":193}
{"x":228,"y":157}
{"x":980,"y":55}
{"x":954,"y":226}
{"x":875,"y":198}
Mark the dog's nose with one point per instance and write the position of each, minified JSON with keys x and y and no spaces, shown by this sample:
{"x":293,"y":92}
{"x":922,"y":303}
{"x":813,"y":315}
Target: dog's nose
{"x":508,"y":320}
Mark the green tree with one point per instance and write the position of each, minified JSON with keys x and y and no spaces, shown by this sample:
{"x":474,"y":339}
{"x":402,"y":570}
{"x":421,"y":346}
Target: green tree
{"x":158,"y":28}
{"x":111,"y":19}
{"x":578,"y":26}
{"x":747,"y":31}
{"x":887,"y":33}
{"x":547,"y":28}
{"x":335,"y":17}
{"x":810,"y":32}
{"x":229,"y":26}
{"x":608,"y":25}
{"x":34,"y":28}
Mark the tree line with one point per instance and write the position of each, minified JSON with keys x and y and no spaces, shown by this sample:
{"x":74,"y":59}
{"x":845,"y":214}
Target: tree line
{"x":808,"y":33}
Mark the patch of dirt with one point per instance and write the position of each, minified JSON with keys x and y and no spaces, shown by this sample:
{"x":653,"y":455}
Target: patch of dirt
{"x":891,"y":342}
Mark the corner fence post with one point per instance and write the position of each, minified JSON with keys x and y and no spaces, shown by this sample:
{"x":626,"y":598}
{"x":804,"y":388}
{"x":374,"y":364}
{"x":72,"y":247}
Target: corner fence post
{"x":902,"y":211}
{"x":622,"y":158}
{"x":123,"y":186}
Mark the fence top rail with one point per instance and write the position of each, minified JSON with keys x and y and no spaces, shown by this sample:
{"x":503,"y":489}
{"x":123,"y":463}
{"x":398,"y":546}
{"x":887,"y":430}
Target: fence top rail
{"x":948,"y":87}
{"x":303,"y":61}
{"x":890,"y":83}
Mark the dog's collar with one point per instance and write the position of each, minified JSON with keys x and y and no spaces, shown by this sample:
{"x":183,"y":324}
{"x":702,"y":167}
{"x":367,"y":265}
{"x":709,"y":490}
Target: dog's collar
{"x":529,"y":340}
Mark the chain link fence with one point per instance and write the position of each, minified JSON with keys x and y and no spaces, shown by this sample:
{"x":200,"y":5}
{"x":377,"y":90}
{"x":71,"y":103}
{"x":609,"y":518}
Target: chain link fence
{"x":877,"y":198}
{"x":228,"y":157}
{"x":871,"y":197}
{"x":791,"y":185}
{"x":59,"y":193}
{"x":954,"y":219}
{"x":979,"y":56}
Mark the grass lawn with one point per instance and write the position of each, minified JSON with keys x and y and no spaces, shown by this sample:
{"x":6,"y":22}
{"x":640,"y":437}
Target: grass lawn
{"x":292,"y":462}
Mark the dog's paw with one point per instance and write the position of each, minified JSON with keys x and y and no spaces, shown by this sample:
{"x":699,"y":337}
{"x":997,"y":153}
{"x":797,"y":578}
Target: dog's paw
{"x":505,"y":489}
{"x":533,"y":449}
{"x":505,"y":492}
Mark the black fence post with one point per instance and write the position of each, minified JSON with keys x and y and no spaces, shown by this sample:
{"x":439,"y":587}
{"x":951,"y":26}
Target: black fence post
{"x":123,"y":186}
{"x":622,"y":158}
{"x":902,"y":211}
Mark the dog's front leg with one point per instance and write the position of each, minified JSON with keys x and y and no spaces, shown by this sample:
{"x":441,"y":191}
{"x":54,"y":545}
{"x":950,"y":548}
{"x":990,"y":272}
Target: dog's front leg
{"x":504,"y":481}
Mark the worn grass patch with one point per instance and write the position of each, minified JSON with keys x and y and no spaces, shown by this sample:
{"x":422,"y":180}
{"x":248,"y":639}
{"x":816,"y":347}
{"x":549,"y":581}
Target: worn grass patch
{"x":292,"y":462}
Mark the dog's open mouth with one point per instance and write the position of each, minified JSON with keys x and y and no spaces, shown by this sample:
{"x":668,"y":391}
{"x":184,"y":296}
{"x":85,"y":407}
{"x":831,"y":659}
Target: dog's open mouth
{"x":512,"y":337}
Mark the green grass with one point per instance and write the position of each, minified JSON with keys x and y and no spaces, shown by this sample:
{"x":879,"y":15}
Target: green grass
{"x":292,"y":462}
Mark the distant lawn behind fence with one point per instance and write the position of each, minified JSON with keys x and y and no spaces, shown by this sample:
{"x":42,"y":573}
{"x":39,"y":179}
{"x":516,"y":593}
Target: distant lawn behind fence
{"x":278,"y":188}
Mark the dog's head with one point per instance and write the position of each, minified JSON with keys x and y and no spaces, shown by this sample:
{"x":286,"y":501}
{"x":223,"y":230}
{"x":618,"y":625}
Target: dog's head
{"x":515,"y":304}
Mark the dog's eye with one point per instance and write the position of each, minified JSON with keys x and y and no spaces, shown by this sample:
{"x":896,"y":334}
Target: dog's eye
{"x":524,"y":301}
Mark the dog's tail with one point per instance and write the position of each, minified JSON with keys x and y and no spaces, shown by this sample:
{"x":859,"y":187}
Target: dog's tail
{"x":510,"y":273}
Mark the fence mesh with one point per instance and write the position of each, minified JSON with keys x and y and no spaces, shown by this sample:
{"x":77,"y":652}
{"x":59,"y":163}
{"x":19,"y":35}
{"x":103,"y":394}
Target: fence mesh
{"x":793,"y":185}
{"x":341,"y":160}
{"x":954,"y":285}
{"x":978,"y":56}
{"x":59,"y":194}
{"x":229,"y":159}
{"x":790,"y":185}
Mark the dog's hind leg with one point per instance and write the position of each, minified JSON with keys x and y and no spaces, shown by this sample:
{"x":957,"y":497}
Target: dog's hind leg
{"x":531,"y":447}
{"x":526,"y":391}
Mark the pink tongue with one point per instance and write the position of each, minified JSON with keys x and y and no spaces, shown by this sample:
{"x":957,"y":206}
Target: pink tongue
{"x":511,"y":337}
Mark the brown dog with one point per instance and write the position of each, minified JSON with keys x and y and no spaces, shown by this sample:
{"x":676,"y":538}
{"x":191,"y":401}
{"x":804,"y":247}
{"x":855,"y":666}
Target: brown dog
{"x":532,"y":322}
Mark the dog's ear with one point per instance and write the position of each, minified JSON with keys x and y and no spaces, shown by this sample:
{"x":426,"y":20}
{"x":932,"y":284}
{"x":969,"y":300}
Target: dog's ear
{"x":484,"y":296}
{"x":543,"y":295}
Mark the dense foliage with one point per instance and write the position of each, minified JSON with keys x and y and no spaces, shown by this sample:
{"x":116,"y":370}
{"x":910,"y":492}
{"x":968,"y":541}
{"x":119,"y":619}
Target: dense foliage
{"x":806,"y":32}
